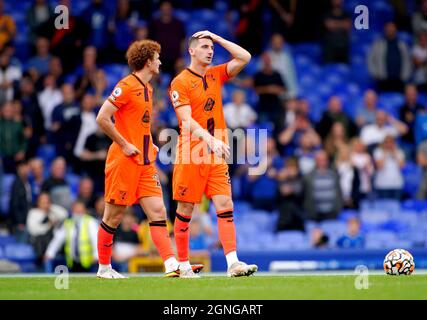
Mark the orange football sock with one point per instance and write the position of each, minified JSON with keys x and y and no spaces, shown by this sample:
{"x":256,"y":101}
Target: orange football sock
{"x":105,"y":242}
{"x":182,"y":236}
{"x":227,"y":231}
{"x":161,"y":239}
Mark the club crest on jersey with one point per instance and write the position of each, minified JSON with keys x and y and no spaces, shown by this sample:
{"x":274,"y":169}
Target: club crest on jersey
{"x":156,"y":179}
{"x":210,"y":103}
{"x":146,"y":117}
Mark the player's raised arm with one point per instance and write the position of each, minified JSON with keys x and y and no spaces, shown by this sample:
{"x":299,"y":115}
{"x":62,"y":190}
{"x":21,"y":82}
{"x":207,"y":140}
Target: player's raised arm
{"x":106,"y":124}
{"x":241,"y":56}
{"x":191,"y":125}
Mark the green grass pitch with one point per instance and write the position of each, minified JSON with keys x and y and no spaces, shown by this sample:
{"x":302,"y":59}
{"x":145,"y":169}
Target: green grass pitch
{"x":259,"y":287}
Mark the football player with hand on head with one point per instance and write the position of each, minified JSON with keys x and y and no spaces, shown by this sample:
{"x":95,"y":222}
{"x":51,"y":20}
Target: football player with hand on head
{"x":196,"y":97}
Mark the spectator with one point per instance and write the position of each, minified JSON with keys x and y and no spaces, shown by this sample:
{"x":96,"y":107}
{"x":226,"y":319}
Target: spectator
{"x":389,"y":160}
{"x":93,"y":157}
{"x":270,"y":88}
{"x":122,"y":26}
{"x":422,"y":162}
{"x":349,"y":178}
{"x":283,"y":62}
{"x":290,"y":137}
{"x":333,"y":114}
{"x":353,"y":239}
{"x":97,"y":17}
{"x":335,"y":140}
{"x":126,"y":241}
{"x":66,"y":123}
{"x":362,"y":160}
{"x":37,"y":177}
{"x":7,"y":27}
{"x":407,"y":113}
{"x":32,"y":114}
{"x":322,"y":192}
{"x":419,"y":19}
{"x":249,"y":32}
{"x":85,"y":194}
{"x":283,"y":16}
{"x":39,"y":13}
{"x":41,"y":221}
{"x":78,"y":235}
{"x":306,"y":152}
{"x":49,"y":98}
{"x":237,"y":113}
{"x":373,"y":134}
{"x":419,"y":56}
{"x":420,"y":130}
{"x":88,"y":124}
{"x":389,"y":61}
{"x":20,"y":201}
{"x":264,"y":187}
{"x":336,"y":37}
{"x":290,"y":197}
{"x":141,"y":33}
{"x":170,"y":33}
{"x":56,"y":186}
{"x":40,"y":62}
{"x":86,"y":73}
{"x":13,"y":141}
{"x":66,"y":43}
{"x":55,"y":69}
{"x":366,"y":114}
{"x":9,"y":77}
{"x":319,"y":239}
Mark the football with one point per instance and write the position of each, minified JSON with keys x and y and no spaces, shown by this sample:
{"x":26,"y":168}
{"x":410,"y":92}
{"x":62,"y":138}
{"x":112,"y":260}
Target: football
{"x":399,"y":262}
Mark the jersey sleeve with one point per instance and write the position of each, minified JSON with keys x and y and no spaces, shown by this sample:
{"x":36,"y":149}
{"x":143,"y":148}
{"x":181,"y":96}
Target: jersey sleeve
{"x":221,"y":69}
{"x":179,"y":93}
{"x":120,"y":95}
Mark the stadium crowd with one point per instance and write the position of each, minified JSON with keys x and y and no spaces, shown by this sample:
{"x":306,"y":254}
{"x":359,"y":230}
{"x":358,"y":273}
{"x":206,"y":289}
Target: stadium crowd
{"x":321,"y":157}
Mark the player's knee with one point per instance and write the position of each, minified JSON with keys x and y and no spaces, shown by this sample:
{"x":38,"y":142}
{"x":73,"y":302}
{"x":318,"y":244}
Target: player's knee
{"x":158,"y":213}
{"x":114,"y":218}
{"x":225,"y":204}
{"x":185,"y":208}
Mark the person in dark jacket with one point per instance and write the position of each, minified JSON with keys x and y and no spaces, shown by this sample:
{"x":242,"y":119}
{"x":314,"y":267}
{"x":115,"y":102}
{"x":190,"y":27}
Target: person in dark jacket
{"x":20,"y":202}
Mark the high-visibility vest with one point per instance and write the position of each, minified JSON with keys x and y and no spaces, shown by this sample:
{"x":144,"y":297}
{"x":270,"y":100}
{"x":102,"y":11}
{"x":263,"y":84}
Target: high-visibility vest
{"x":85,"y":245}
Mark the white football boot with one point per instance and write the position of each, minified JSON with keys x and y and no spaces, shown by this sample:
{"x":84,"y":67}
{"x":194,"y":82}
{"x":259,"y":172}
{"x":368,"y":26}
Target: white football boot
{"x":110,"y":273}
{"x":240,"y":269}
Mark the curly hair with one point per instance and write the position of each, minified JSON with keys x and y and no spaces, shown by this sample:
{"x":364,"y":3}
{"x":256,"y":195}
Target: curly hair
{"x":139,"y":52}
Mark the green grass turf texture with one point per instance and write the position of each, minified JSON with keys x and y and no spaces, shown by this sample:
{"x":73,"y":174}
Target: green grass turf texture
{"x":217,"y":288}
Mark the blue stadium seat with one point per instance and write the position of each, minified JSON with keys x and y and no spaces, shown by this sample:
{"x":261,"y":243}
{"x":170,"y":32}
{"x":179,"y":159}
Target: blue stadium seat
{"x":6,"y":187}
{"x":19,"y":252}
{"x":73,"y":180}
{"x":46,"y":152}
{"x":334,"y":227}
{"x":412,"y":175}
{"x":312,"y":50}
{"x":374,"y":218}
{"x":414,"y":204}
{"x":4,"y":240}
{"x":182,"y":15}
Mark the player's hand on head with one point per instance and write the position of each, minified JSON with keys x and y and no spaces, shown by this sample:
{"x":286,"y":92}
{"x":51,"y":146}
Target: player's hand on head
{"x":130,"y":150}
{"x":205,"y":33}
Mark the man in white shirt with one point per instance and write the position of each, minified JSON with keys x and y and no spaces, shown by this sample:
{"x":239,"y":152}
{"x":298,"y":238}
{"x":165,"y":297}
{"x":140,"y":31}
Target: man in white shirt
{"x":385,"y":125}
{"x":238,"y":114}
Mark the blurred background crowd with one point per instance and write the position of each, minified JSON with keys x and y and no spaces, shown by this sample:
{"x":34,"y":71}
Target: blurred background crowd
{"x":345,"y":110}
